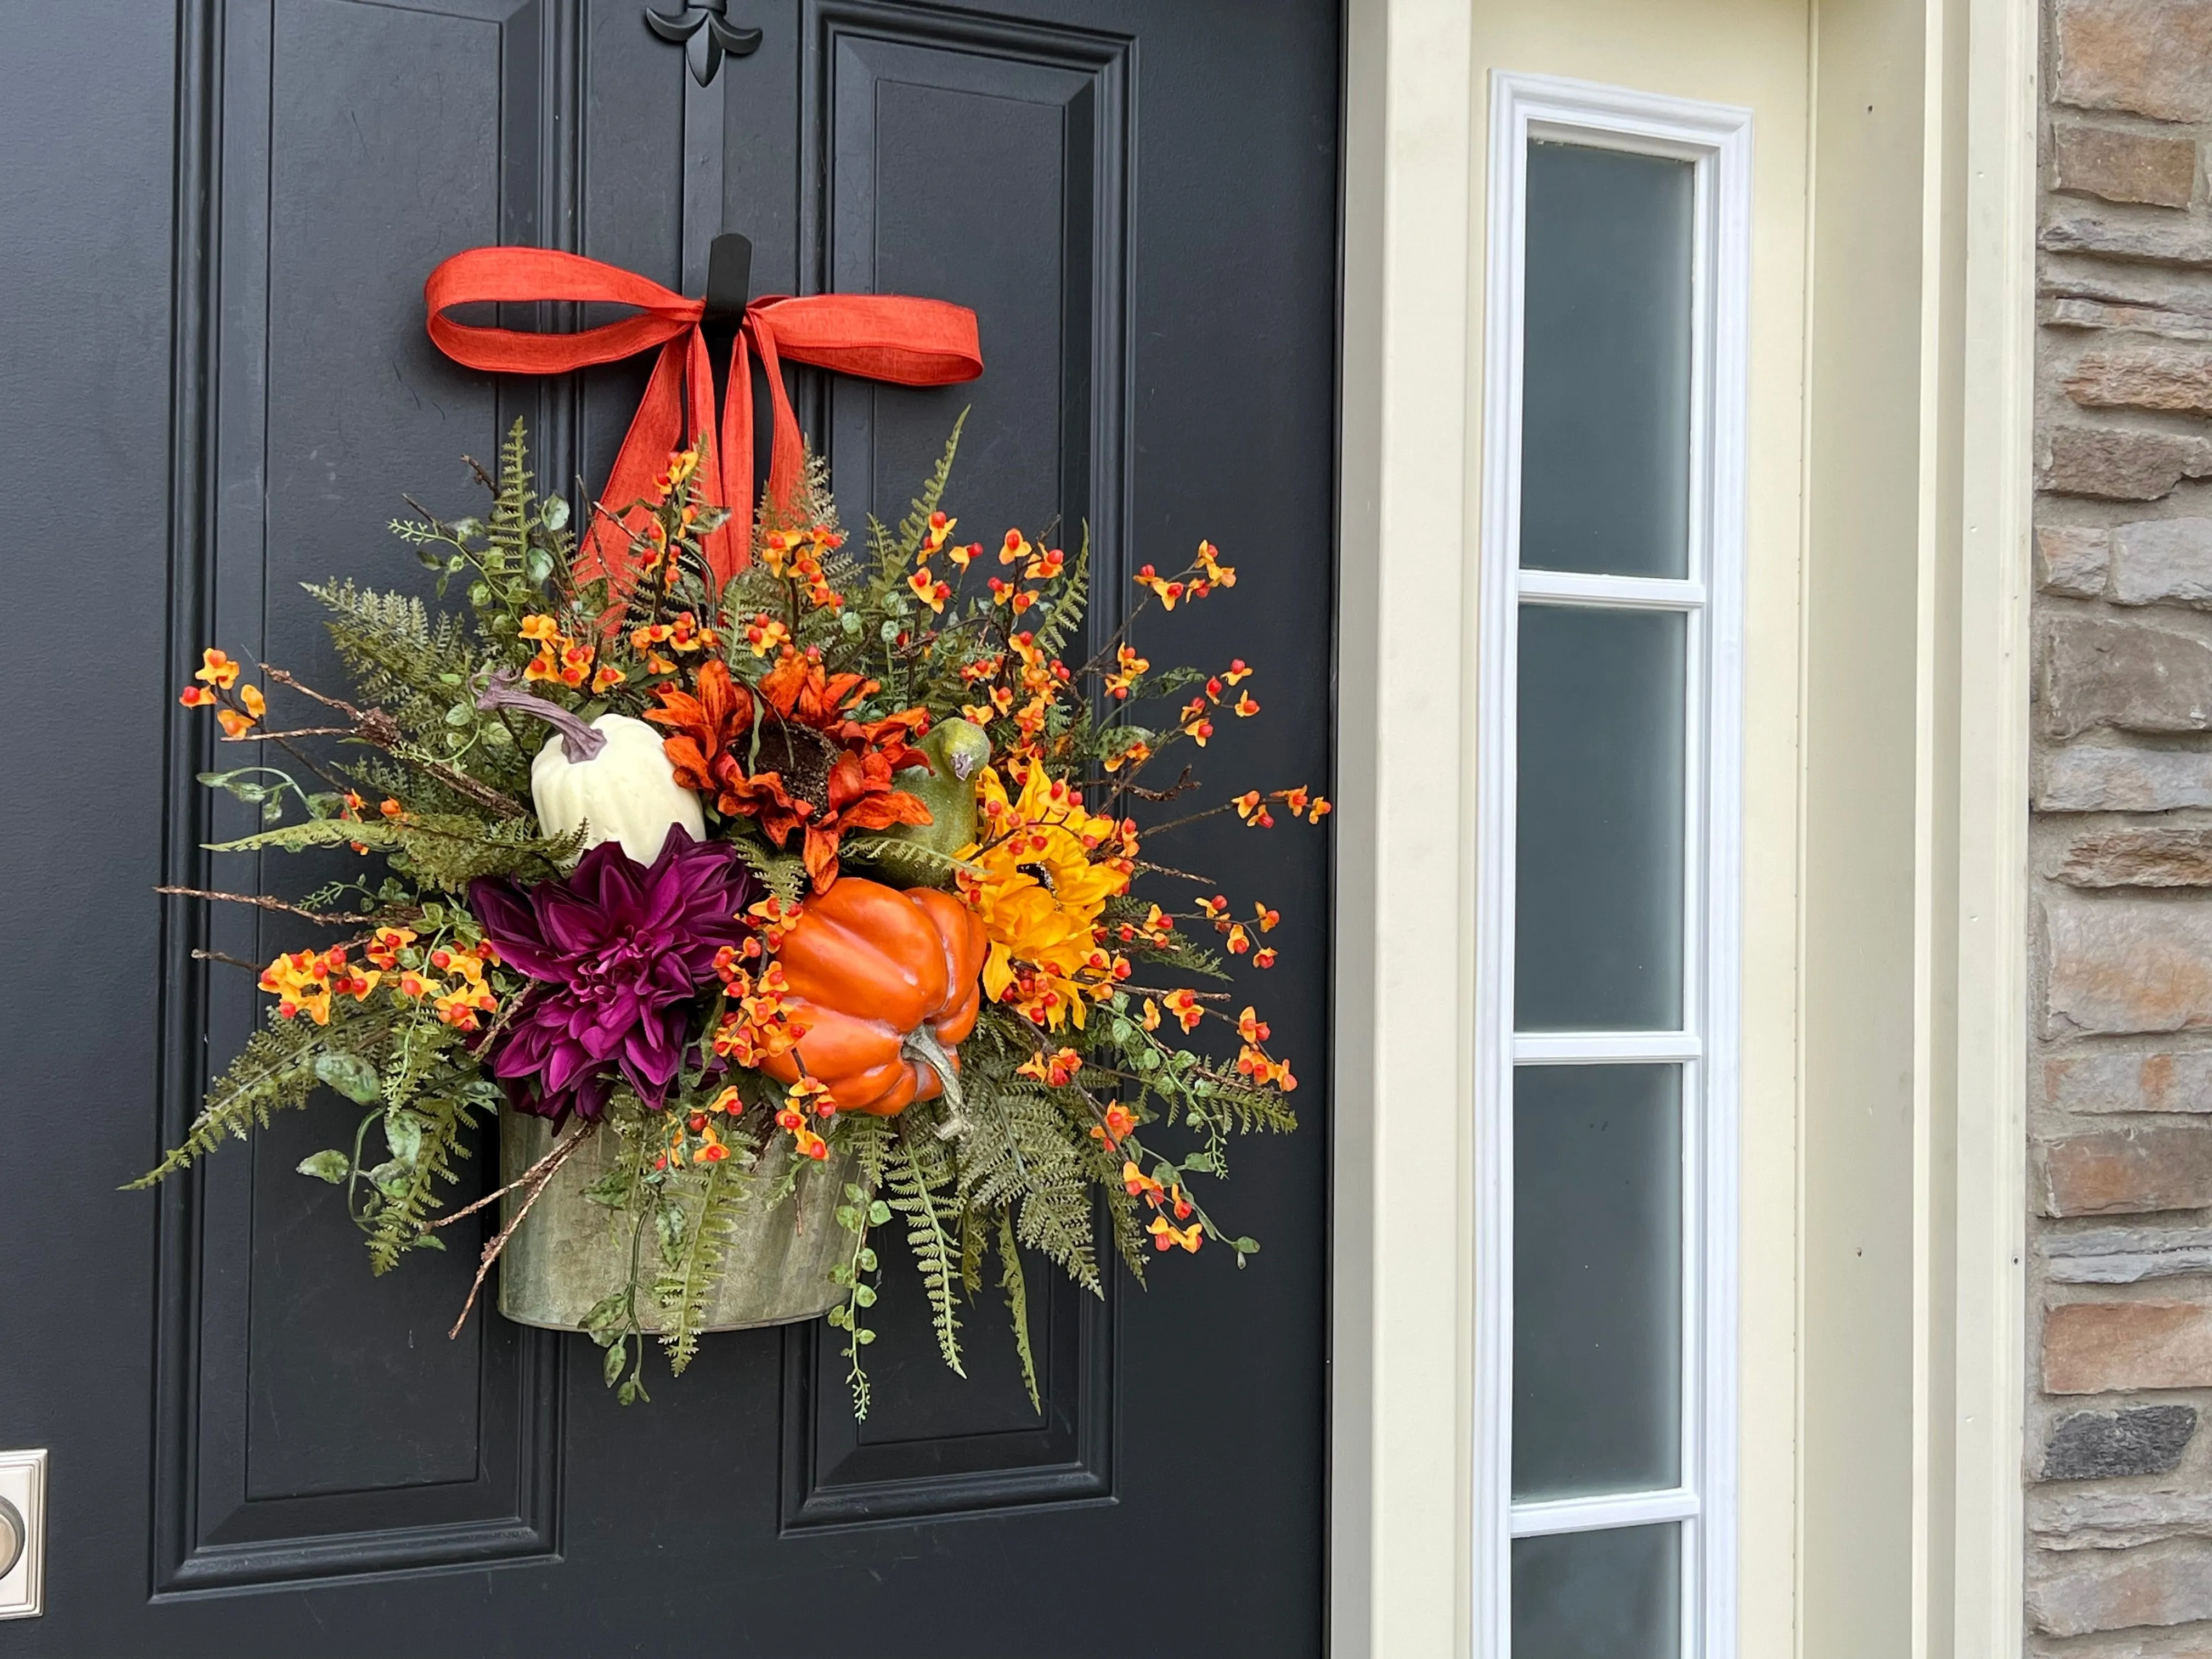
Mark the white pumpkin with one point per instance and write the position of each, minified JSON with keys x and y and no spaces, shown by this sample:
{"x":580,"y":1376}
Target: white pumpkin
{"x":626,"y":793}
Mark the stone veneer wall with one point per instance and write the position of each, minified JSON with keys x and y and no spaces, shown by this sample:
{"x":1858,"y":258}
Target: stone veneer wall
{"x":2119,"y":1501}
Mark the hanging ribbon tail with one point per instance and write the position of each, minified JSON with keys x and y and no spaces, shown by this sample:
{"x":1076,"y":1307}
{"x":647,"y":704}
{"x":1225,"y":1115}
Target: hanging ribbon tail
{"x":786,"y":448}
{"x":729,"y":550}
{"x":655,"y":432}
{"x":889,"y":337}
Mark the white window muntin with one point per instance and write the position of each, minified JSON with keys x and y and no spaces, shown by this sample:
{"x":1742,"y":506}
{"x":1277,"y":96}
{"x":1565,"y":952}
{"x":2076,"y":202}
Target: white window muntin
{"x":1716,"y":141}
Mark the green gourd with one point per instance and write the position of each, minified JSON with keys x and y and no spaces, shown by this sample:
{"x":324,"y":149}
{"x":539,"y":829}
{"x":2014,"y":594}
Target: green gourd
{"x":958,"y":752}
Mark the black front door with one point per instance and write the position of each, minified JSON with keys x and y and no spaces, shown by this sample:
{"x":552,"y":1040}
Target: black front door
{"x":215,"y":218}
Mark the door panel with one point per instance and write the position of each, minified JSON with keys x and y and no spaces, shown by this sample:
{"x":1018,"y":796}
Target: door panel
{"x":329,"y":196}
{"x":1152,"y":256}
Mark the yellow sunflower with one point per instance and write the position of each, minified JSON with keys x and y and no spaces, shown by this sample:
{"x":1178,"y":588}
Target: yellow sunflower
{"x":1048,"y":866}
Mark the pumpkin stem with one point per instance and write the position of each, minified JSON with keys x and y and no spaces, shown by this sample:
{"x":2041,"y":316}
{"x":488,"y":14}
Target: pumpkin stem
{"x":579,"y":742}
{"x":921,"y":1044}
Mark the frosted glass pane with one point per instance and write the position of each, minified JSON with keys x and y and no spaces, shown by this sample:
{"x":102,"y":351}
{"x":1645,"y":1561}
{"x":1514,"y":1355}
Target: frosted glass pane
{"x":1599,"y":1595}
{"x":1598,"y":939}
{"x":1597,"y":1279}
{"x":1604,"y":444}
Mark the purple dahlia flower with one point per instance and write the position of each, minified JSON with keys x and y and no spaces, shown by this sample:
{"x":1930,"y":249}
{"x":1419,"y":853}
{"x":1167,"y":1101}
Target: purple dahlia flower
{"x":619,"y":951}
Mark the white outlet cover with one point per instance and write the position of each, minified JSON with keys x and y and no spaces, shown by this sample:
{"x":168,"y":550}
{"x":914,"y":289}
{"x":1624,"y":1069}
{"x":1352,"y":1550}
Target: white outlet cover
{"x":23,"y":1483}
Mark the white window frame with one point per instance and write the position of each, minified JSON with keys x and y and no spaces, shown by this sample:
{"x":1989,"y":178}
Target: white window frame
{"x":1716,"y":140}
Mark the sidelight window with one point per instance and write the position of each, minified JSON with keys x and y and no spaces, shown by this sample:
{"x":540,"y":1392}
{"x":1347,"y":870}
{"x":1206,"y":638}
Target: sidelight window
{"x":1606,"y":992}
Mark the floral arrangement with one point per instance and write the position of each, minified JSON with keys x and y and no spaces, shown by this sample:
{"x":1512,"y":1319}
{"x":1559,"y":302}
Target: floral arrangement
{"x":823,"y":872}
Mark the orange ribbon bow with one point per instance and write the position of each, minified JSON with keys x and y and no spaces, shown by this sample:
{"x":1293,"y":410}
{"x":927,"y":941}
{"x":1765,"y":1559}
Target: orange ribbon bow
{"x":883,"y":336}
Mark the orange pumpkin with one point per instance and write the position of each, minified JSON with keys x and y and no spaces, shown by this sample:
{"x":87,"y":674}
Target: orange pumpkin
{"x":880,"y":978}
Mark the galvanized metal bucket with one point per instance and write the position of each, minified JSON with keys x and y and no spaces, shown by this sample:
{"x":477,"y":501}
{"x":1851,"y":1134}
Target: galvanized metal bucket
{"x":570,"y":1251}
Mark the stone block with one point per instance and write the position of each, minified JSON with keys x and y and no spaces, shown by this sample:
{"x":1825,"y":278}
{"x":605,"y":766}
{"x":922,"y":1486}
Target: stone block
{"x":2072,"y":559}
{"x":2101,"y":1347}
{"x":2133,"y":675}
{"x":2078,"y":1592}
{"x":2141,"y":319}
{"x":2145,"y":375}
{"x":2141,"y":855}
{"x":2195,"y":1642}
{"x":2147,"y":57}
{"x":2165,"y":239}
{"x":2106,"y":1081}
{"x":2122,"y":167}
{"x":2120,"y":466}
{"x":2145,"y":1440}
{"x":2119,"y":965}
{"x":2073,"y":1518}
{"x":2125,"y":1255}
{"x":2105,"y":777}
{"x":2163,"y":561}
{"x":2128,"y":1171}
{"x":2130,"y":285}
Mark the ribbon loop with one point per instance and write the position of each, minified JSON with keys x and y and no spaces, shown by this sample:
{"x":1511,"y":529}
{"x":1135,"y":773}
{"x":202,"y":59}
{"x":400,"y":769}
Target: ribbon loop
{"x":877,"y":337}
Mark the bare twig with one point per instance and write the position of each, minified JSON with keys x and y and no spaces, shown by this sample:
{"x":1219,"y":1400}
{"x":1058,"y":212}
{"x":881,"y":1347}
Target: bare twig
{"x":1147,"y":865}
{"x":1155,"y":991}
{"x":1181,"y":786}
{"x":522,"y":1180}
{"x":545,"y":1169}
{"x":258,"y":736}
{"x":374,"y":726}
{"x":219,"y":955}
{"x":262,"y":902}
{"x":462,"y":784}
{"x":305,"y":691}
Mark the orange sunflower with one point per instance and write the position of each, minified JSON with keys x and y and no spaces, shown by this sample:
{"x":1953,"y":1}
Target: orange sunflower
{"x":815,"y":769}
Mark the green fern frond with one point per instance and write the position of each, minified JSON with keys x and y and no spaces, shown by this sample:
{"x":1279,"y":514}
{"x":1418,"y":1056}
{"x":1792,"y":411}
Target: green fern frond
{"x":909,"y":1192}
{"x":914,"y":529}
{"x":275,"y":1070}
{"x":1065,"y":613}
{"x":1017,"y":1303}
{"x":425,"y":1154}
{"x":907,"y":858}
{"x":782,"y":874}
{"x":412,"y":665}
{"x":442,"y":850}
{"x":1054,"y":1216}
{"x":513,"y":509}
{"x":684,"y":1291}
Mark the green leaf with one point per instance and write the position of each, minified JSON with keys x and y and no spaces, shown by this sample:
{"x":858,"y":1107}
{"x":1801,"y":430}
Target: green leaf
{"x":613,"y":1369}
{"x":672,"y":1223}
{"x":390,"y":1178}
{"x":403,"y":1133}
{"x":879,"y":1213}
{"x":351,"y":1076}
{"x":332,"y":1166}
{"x":611,"y":1191}
{"x":607,"y":1315}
